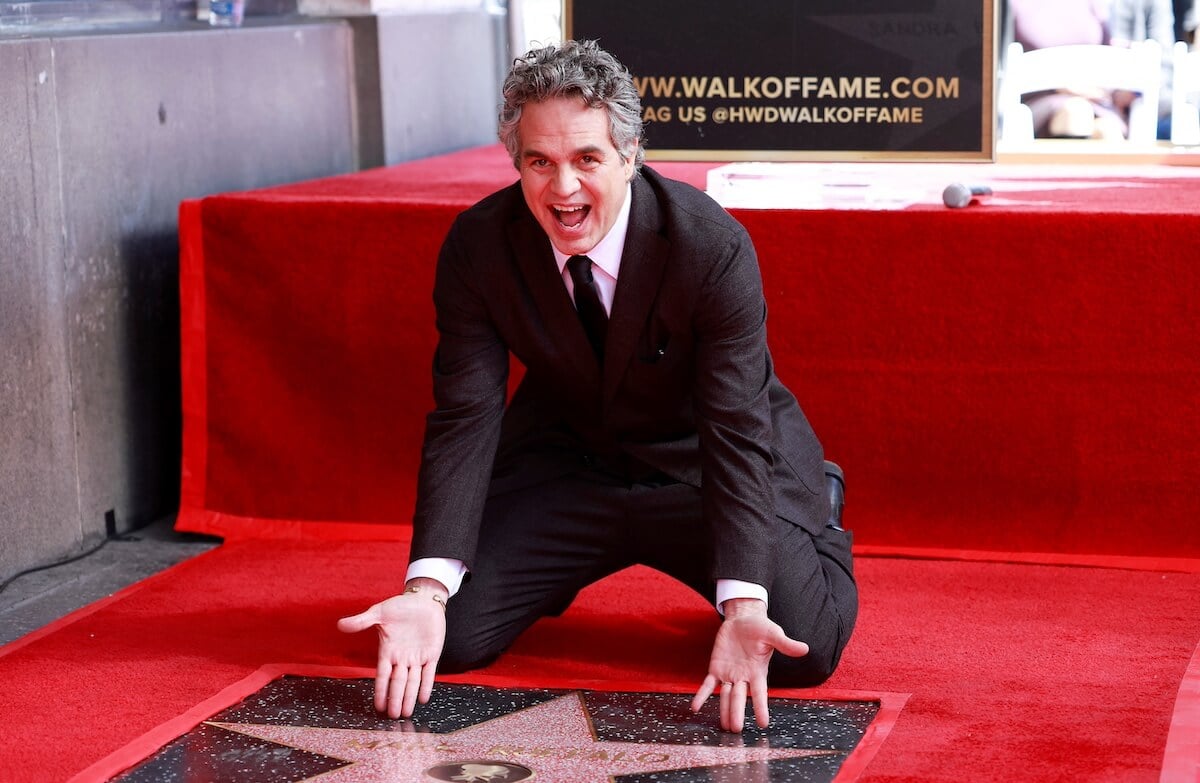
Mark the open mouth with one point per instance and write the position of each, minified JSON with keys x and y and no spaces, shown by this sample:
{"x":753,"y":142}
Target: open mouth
{"x":571,"y":217}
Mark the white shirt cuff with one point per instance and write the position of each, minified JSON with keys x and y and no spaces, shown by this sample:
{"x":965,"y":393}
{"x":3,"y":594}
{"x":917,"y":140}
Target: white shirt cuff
{"x":447,"y":570}
{"x":736,"y":588}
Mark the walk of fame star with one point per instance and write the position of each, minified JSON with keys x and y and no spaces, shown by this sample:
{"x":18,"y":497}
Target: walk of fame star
{"x":290,"y":728}
{"x":554,"y":740}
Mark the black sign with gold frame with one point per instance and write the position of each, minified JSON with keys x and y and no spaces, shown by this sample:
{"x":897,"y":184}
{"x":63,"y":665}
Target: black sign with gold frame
{"x":806,"y":79}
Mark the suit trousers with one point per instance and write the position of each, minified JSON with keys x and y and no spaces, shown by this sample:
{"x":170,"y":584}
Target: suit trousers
{"x":539,"y":546}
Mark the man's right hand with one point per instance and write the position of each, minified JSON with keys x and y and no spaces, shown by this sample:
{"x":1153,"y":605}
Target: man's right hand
{"x":412,"y":630}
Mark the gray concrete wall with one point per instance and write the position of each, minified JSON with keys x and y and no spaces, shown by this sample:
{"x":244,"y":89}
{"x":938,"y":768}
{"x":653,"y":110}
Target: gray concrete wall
{"x":457,"y":107}
{"x":102,"y":137}
{"x":212,"y":114}
{"x":428,"y":83}
{"x":39,"y":502}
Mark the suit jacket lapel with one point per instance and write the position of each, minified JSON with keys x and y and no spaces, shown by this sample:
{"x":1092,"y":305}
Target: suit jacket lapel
{"x":643,"y":261}
{"x":563,"y":333}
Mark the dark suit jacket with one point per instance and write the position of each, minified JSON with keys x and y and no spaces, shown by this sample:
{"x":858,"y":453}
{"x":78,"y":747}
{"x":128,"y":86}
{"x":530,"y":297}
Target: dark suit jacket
{"x":687,"y":387}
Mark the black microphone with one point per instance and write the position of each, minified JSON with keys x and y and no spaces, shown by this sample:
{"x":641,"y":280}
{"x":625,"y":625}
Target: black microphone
{"x":958,"y":195}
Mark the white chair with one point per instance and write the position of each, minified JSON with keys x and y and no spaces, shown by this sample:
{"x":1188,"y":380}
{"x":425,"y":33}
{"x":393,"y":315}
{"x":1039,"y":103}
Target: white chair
{"x":1137,"y":69}
{"x":1185,"y":96}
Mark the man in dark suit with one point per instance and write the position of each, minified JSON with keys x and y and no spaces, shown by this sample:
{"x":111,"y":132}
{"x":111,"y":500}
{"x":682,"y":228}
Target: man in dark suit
{"x":649,"y":426}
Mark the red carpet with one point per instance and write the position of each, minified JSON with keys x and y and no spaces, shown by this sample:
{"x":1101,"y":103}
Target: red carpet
{"x":1016,"y":671}
{"x":1012,"y":385}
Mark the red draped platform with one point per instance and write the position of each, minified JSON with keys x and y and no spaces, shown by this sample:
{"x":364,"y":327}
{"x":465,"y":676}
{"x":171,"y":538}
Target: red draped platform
{"x":1018,"y":376}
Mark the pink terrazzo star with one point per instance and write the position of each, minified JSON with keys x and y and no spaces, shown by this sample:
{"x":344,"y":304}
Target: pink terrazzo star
{"x":555,"y":740}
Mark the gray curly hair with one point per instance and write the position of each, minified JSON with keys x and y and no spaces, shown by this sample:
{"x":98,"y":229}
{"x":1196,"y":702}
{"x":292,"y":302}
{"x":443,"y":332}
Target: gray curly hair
{"x":575,"y":68}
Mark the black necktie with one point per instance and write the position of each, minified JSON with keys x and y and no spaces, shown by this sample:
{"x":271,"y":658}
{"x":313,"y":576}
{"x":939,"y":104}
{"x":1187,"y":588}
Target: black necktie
{"x":587,"y":302}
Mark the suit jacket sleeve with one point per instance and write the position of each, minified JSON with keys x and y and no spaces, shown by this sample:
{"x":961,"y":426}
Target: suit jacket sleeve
{"x":470,"y":373}
{"x":733,"y":413}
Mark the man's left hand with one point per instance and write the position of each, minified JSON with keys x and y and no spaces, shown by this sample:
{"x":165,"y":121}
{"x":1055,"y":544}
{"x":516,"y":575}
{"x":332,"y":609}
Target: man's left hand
{"x":740,"y":656}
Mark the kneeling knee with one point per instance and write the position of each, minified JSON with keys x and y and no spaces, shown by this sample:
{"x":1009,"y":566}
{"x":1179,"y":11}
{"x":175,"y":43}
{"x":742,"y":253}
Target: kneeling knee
{"x":464,"y":650}
{"x":457,"y":658}
{"x":808,"y":671}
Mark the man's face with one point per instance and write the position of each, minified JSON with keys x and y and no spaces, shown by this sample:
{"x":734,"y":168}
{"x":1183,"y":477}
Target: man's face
{"x":572,"y":176}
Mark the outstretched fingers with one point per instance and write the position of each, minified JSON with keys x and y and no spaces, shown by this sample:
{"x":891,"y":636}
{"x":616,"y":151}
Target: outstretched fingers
{"x":427,"y":675}
{"x":359,"y":622}
{"x":733,"y":706}
{"x":732,"y":710}
{"x":412,"y":630}
{"x":706,"y":689}
{"x":785,"y":644}
{"x":759,"y":700}
{"x":383,"y":678}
